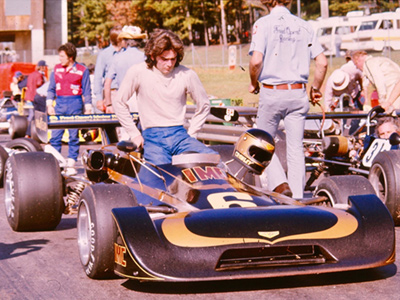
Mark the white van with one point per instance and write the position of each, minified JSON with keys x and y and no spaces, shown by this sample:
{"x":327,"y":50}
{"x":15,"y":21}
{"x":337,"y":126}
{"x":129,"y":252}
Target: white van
{"x":359,"y":32}
{"x":332,"y":31}
{"x":376,"y":32}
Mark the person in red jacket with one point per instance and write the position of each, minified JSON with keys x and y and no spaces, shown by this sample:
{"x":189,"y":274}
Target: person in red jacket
{"x":35,"y":80}
{"x":70,"y":88}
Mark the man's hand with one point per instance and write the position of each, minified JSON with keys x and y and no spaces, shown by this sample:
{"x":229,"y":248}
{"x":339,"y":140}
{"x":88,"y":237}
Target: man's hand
{"x":254,"y":89}
{"x":315,"y":95}
{"x":388,"y":107}
{"x":100,"y":105}
{"x":138,"y":141}
{"x":88,"y":109}
{"x":50,"y":110}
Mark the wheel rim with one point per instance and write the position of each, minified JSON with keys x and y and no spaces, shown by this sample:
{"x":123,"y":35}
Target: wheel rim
{"x":84,"y":232}
{"x":327,"y":194}
{"x":9,"y":193}
{"x":378,"y":179}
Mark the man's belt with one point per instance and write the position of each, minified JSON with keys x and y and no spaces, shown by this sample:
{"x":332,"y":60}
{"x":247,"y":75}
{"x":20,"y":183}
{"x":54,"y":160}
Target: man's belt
{"x":285,"y":86}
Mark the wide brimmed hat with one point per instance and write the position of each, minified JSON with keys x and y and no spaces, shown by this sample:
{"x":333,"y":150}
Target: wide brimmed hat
{"x":132,"y":33}
{"x":340,"y":80}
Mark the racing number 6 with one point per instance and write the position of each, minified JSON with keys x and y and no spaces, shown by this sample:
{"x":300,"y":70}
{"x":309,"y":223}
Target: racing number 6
{"x":221,"y":200}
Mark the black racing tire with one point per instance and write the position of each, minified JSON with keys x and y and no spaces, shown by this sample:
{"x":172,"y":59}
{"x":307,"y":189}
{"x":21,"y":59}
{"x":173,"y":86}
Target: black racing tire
{"x":24,"y":145}
{"x":97,"y":231}
{"x":384,"y":176}
{"x":33,"y":191}
{"x":18,"y":126}
{"x":3,"y":159}
{"x":338,"y":188}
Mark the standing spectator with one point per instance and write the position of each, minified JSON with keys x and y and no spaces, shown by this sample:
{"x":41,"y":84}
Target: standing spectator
{"x":69,"y":82}
{"x":161,"y":85}
{"x":19,"y":81}
{"x":384,"y":74}
{"x":281,"y":49}
{"x":133,"y":37}
{"x":35,"y":80}
{"x":102,"y":64}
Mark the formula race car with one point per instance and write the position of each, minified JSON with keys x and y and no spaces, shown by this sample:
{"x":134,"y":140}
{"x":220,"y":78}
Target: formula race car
{"x":360,"y":153}
{"x":201,"y":217}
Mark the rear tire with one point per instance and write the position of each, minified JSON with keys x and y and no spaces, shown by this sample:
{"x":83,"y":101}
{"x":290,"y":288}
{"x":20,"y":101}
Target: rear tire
{"x":384,"y":176}
{"x":338,"y":188}
{"x":96,"y":228}
{"x":24,"y":145}
{"x":33,"y":192}
{"x":3,"y":159}
{"x":18,"y":126}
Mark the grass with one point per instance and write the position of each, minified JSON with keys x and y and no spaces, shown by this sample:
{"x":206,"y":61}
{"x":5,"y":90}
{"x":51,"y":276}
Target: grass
{"x":224,"y":83}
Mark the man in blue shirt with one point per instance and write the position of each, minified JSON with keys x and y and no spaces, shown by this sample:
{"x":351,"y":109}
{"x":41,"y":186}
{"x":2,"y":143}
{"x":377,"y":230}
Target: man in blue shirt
{"x":120,"y":63}
{"x":281,"y":49}
{"x":102,"y":64}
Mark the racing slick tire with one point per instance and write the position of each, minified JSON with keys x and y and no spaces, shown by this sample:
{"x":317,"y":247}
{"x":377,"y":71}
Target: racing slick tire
{"x":338,"y":188}
{"x":18,"y":126}
{"x":33,"y":191}
{"x":3,"y":159}
{"x":24,"y":145}
{"x":384,"y":176}
{"x":96,"y":228}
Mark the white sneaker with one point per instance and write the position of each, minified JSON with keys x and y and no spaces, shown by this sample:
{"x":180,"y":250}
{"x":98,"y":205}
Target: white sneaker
{"x":70,"y":168}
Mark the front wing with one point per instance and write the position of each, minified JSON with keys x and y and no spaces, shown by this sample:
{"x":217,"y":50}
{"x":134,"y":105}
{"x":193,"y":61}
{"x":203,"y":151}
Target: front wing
{"x":240,"y":243}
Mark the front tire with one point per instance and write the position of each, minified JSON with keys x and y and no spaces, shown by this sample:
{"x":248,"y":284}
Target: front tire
{"x":96,"y":228}
{"x":18,"y":126}
{"x":384,"y":176}
{"x":338,"y":188}
{"x":33,"y":192}
{"x":24,"y":145}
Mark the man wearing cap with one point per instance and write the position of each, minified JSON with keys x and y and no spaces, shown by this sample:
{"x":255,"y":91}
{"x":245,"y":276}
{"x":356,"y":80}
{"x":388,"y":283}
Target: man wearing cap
{"x":102,"y":65}
{"x":121,"y":62}
{"x":19,"y":81}
{"x":384,"y":74}
{"x":35,"y":80}
{"x":70,"y":88}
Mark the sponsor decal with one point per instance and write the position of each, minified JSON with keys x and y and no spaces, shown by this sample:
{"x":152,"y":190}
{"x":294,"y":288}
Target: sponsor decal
{"x":119,"y":252}
{"x":202,"y":174}
{"x":243,"y":158}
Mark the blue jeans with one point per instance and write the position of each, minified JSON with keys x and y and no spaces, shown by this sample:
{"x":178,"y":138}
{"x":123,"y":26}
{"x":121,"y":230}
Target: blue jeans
{"x":161,"y":143}
{"x":66,"y":106}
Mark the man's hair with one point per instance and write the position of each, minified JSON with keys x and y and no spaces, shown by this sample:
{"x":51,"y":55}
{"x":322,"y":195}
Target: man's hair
{"x":356,"y":54}
{"x":114,"y":32}
{"x":272,"y":3}
{"x":385,"y":120}
{"x":69,"y":49}
{"x":163,"y":40}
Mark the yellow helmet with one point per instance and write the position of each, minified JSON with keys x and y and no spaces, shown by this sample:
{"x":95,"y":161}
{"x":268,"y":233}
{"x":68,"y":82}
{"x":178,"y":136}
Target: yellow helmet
{"x":254,"y":150}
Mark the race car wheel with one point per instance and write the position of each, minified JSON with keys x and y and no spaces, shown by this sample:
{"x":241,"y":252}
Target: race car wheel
{"x":33,"y":191}
{"x":384,"y":176}
{"x":338,"y":188}
{"x":18,"y":126}
{"x":24,"y":145}
{"x":3,"y":159}
{"x":96,"y":228}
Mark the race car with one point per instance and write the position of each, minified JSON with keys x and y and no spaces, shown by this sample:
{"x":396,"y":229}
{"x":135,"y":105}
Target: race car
{"x":198,"y":218}
{"x":360,"y":153}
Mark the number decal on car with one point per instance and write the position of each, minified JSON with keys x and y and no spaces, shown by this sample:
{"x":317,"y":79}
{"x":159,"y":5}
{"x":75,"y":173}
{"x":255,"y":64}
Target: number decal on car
{"x":378,"y":145}
{"x":230,"y":199}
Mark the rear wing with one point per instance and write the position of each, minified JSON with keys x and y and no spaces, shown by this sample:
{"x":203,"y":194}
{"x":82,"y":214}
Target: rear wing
{"x":106,"y":122}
